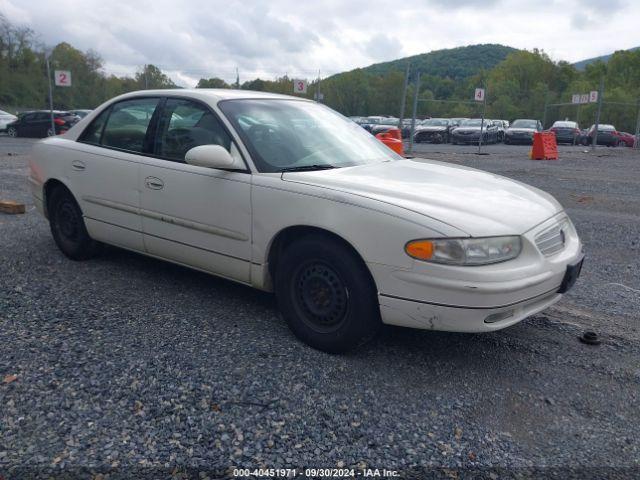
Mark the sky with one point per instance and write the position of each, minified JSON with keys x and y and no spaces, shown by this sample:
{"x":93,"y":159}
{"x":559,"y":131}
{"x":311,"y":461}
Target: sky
{"x":191,"y":39}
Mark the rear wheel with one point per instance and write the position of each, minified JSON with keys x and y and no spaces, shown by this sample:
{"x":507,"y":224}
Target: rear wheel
{"x":68,"y":228}
{"x":326,"y":294}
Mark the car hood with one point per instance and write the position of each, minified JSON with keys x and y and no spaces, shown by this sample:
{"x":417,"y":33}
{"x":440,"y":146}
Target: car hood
{"x":431,"y":128}
{"x":521,"y":130}
{"x":475,"y":202}
{"x":469,"y":129}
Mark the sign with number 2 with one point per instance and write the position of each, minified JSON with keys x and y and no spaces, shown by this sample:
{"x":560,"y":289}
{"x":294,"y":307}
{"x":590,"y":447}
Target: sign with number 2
{"x":62,"y":78}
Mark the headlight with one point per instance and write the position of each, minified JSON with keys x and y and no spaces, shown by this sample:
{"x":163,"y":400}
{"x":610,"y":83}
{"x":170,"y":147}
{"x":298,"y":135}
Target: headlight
{"x":465,"y":251}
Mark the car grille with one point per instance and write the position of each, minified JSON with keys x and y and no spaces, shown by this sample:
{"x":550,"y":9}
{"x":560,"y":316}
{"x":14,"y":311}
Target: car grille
{"x":552,"y":240}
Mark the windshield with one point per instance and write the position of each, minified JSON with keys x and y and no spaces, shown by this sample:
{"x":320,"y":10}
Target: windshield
{"x":473,"y":122}
{"x":524,"y":124}
{"x":284,"y":134}
{"x":566,"y":124}
{"x":436,"y":122}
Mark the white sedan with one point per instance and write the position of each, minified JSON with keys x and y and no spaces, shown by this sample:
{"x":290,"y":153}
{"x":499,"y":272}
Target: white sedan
{"x":286,"y":195}
{"x":5,"y":119}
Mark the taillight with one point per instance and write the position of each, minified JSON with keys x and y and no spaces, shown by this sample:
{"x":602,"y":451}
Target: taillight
{"x":58,"y":121}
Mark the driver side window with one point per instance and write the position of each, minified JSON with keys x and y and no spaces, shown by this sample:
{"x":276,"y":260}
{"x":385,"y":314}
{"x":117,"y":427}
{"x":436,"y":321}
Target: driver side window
{"x":185,"y":124}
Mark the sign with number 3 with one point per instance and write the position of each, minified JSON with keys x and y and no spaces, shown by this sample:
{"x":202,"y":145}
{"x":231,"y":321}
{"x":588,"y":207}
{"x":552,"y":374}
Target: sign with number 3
{"x":299,"y":86}
{"x":62,"y":78}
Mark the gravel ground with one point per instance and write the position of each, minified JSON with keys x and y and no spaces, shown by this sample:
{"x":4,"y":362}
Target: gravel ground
{"x":134,"y":367}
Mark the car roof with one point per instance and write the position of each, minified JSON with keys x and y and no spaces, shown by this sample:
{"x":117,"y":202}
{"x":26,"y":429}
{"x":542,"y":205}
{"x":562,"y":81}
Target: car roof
{"x":211,"y":94}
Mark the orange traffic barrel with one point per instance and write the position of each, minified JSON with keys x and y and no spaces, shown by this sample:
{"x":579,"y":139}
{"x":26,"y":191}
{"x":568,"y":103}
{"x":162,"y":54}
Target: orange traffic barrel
{"x":391,"y":141}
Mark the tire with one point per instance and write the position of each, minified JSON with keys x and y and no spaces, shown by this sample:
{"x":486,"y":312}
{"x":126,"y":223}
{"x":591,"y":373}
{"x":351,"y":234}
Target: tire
{"x":326,"y":294}
{"x":50,"y":132}
{"x":68,"y":228}
{"x":12,"y":132}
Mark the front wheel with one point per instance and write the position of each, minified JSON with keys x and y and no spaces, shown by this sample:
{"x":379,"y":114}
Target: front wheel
{"x":326,"y":294}
{"x":50,"y":132}
{"x":68,"y":228}
{"x":12,"y":132}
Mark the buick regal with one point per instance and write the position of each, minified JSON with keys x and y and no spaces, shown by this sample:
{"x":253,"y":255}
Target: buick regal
{"x":285,"y":195}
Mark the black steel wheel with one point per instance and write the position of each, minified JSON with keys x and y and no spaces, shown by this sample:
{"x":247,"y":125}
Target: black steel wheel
{"x":67,"y":226}
{"x":326,"y":294}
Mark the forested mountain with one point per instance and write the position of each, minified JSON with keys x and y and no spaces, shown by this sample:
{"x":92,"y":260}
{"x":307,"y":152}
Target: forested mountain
{"x":518,"y":82}
{"x":581,"y":65}
{"x":456,"y":63}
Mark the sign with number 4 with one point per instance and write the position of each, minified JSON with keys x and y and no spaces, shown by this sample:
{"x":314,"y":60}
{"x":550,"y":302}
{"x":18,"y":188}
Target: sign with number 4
{"x":62,"y":78}
{"x":299,"y":86}
{"x":479,"y":96}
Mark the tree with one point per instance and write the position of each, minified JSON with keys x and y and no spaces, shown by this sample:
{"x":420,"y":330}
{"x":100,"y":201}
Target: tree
{"x":214,"y":82}
{"x":151,"y":77}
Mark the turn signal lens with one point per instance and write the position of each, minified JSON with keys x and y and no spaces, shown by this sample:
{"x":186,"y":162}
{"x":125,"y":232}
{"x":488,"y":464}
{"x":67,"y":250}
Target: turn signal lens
{"x":465,"y":251}
{"x":420,"y":249}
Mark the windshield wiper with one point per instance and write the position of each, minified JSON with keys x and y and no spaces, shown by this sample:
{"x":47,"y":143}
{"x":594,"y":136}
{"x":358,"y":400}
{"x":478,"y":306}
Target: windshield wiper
{"x":308,"y":168}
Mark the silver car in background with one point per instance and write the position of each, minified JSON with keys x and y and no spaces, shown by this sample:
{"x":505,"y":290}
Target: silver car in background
{"x":5,"y":119}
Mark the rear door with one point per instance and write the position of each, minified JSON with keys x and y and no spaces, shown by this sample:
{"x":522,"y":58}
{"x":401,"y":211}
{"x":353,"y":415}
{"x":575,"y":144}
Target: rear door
{"x":194,"y":215}
{"x":26,"y":126}
{"x":104,"y":171}
{"x":40,"y":124}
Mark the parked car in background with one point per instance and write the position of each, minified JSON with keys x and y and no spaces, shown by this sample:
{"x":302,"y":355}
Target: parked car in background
{"x":455,"y":122}
{"x":521,"y":131}
{"x":625,"y":138}
{"x":384,"y":125}
{"x":270,"y":206}
{"x":80,"y":113}
{"x":500,"y":125}
{"x":38,"y":124}
{"x":566,"y":131}
{"x":5,"y":119}
{"x":433,"y":130}
{"x":469,"y":131}
{"x":607,"y":135}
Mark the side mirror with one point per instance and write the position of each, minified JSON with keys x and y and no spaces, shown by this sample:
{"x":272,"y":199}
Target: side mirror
{"x":213,"y":156}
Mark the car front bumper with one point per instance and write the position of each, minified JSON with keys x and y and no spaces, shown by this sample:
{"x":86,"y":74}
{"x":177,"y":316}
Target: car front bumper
{"x":479,"y":299}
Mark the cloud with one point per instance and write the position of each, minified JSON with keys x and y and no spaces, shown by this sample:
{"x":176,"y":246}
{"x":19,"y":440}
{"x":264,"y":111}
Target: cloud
{"x":206,"y":38}
{"x":384,"y":47}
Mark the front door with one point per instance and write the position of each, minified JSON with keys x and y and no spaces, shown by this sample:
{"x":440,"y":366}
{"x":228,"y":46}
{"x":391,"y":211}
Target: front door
{"x":193,"y":215}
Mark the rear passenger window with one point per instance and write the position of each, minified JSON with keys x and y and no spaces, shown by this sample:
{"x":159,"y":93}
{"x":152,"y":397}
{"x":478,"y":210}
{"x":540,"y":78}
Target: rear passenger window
{"x":127,"y":124}
{"x":93,"y":132}
{"x":185,"y":124}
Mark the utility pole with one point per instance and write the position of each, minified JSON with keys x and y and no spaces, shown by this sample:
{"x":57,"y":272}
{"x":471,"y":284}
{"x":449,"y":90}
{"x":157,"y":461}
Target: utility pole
{"x":577,"y":123}
{"x":237,"y":78}
{"x":415,"y":112}
{"x":636,"y":141}
{"x":318,"y":88}
{"x":546,"y":103}
{"x":600,"y":95}
{"x":404,"y":96}
{"x":484,"y":114}
{"x":146,"y":78}
{"x":53,"y":125}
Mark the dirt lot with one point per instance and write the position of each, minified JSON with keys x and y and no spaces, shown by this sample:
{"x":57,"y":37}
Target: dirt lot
{"x":127,"y":364}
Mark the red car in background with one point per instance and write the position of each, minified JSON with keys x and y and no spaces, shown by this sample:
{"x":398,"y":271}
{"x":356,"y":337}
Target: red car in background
{"x":625,"y":138}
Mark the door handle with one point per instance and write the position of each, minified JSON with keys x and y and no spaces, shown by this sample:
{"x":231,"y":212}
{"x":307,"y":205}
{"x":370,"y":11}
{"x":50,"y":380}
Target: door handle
{"x":154,"y":183}
{"x":78,"y":165}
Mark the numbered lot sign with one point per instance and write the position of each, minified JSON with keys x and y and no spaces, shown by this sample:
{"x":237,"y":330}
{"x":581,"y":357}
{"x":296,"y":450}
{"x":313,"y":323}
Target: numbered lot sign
{"x":62,"y":78}
{"x":299,"y":86}
{"x":575,"y":98}
{"x":479,"y":96}
{"x":593,"y":96}
{"x":584,"y":98}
